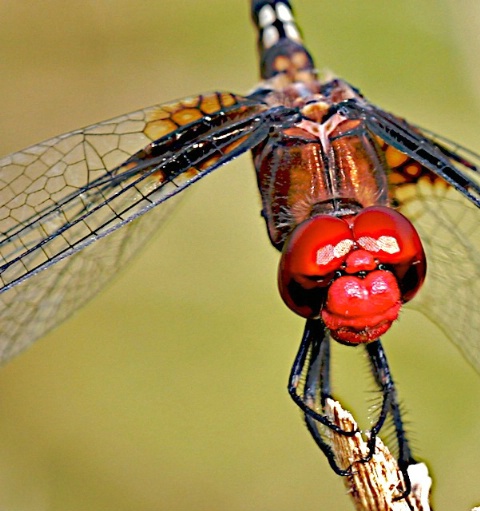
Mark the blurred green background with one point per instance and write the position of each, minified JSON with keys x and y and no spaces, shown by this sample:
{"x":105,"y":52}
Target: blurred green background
{"x":168,"y":391}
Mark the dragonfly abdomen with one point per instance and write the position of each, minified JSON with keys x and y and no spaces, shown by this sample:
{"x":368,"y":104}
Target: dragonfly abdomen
{"x":280,"y":45}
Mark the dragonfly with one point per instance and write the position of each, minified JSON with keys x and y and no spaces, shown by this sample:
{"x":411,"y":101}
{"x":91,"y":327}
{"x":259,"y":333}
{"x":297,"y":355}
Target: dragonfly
{"x":367,"y":210}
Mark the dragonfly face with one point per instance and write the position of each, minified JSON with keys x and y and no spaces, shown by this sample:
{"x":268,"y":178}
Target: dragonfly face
{"x":353,"y":272}
{"x":200,"y":134}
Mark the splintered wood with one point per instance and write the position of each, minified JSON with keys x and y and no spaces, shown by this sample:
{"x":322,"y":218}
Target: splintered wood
{"x":374,"y":485}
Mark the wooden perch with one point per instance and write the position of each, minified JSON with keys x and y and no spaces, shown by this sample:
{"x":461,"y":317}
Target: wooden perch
{"x":374,"y":485}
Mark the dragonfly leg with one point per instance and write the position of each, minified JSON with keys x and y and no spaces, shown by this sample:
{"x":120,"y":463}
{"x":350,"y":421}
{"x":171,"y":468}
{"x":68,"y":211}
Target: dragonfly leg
{"x":309,"y":387}
{"x":325,"y":447}
{"x":318,"y":377}
{"x":390,"y":404}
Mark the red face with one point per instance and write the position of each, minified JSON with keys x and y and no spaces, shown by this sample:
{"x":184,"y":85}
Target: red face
{"x":355,"y":273}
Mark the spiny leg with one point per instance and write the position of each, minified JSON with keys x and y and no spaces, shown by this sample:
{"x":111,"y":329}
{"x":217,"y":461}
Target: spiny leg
{"x":390,"y":404}
{"x":318,"y":381}
{"x":308,"y":358}
{"x":312,"y":366}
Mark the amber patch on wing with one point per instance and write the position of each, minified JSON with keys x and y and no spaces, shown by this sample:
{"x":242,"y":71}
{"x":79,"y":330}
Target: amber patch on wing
{"x":406,"y":174}
{"x":157,"y":129}
{"x":210,"y":104}
{"x":165,"y":119}
{"x":394,"y":157}
{"x":186,"y":116}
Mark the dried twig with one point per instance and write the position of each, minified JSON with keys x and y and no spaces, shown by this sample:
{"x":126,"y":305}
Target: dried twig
{"x":374,"y":485}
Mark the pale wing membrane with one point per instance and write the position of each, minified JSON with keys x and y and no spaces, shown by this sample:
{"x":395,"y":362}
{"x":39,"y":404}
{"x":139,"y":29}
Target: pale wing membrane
{"x":46,"y":298}
{"x":60,"y":196}
{"x":447,"y":217}
{"x":450,"y":231}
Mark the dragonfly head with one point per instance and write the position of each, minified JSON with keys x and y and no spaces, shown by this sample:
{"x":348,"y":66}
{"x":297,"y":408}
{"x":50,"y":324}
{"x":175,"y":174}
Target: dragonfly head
{"x":354,"y":272}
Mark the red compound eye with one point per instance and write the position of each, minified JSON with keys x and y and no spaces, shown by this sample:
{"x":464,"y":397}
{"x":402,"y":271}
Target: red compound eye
{"x":392,"y":240}
{"x":315,"y":250}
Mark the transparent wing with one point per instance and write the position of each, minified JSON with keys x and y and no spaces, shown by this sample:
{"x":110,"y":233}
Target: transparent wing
{"x":59,"y":197}
{"x":436,"y":183}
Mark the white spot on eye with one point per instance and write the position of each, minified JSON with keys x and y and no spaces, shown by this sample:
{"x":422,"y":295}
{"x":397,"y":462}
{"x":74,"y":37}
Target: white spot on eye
{"x":330,"y":252}
{"x":270,"y":37}
{"x":343,"y":248}
{"x":292,"y":32}
{"x":284,"y":13}
{"x":386,"y":244}
{"x":325,"y":255}
{"x":266,"y":16}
